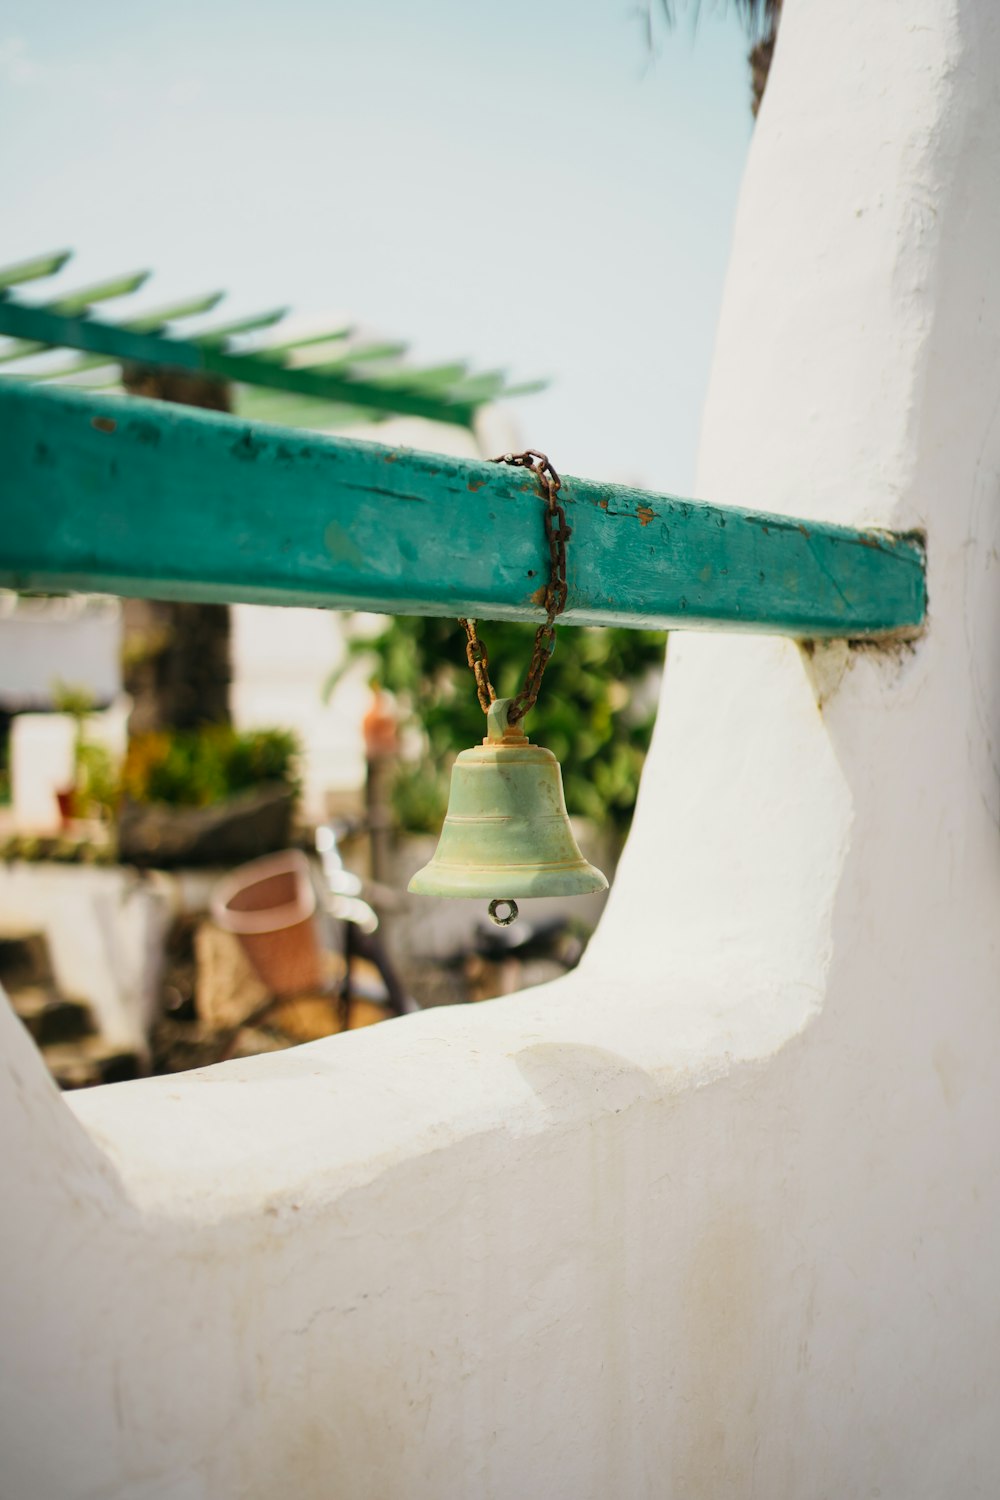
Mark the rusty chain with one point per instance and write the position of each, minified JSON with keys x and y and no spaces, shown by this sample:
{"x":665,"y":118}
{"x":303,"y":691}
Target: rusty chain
{"x":557,"y":534}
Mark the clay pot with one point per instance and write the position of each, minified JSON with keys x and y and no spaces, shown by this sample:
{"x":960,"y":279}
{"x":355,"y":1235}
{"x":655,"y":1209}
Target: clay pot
{"x":270,"y":906}
{"x":65,"y":798}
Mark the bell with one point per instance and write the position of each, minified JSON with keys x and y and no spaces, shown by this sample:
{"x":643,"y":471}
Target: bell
{"x":506,"y":832}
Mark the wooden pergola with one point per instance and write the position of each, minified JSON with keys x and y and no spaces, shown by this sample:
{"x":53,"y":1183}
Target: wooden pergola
{"x":329,"y":377}
{"x":145,"y":499}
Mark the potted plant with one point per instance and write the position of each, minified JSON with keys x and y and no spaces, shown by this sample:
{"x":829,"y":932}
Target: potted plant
{"x":209,"y":796}
{"x":93,"y":791}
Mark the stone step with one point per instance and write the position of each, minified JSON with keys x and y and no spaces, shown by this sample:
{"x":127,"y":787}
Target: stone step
{"x":49,"y":1017}
{"x":90,"y":1061}
{"x":24,"y":960}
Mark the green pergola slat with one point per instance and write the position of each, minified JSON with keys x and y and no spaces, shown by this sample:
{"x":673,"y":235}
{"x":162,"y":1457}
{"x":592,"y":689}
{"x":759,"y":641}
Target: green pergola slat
{"x":427,"y":377}
{"x":75,"y":303}
{"x":149,"y":322}
{"x":60,"y":372}
{"x":361,"y":354}
{"x":144,"y":498}
{"x":256,"y":405}
{"x":158,"y":317}
{"x":34,"y":269}
{"x":249,"y":324}
{"x":72,"y":303}
{"x":482,"y":387}
{"x":292,"y":346}
{"x":21,"y":350}
{"x":526,"y":388}
{"x":121,"y":343}
{"x":368,"y":379}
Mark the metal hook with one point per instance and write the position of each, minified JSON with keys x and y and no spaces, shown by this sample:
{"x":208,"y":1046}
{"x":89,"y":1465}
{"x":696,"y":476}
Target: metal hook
{"x":511,"y":912}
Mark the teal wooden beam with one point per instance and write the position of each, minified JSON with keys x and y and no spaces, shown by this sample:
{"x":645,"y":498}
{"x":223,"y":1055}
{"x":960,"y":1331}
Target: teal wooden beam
{"x":123,"y":496}
{"x":129,"y":346}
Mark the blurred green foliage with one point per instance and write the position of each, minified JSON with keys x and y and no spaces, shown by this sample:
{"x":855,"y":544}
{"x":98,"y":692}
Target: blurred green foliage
{"x":198,"y":767}
{"x":595,"y":711}
{"x":78,"y":702}
{"x":95,"y":793}
{"x":96,"y":782}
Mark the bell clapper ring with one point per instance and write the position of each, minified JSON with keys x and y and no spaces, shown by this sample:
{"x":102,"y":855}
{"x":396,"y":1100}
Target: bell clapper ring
{"x":509,"y":916}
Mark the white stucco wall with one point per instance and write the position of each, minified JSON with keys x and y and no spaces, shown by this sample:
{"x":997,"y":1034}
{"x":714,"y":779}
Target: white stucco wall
{"x":46,"y":644}
{"x":720,"y":1214}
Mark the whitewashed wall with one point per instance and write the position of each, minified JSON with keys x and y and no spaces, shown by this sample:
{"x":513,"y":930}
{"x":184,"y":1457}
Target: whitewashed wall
{"x":46,"y":644}
{"x":719,"y":1215}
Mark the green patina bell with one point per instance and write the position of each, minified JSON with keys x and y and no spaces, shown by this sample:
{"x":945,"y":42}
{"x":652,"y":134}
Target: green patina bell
{"x":506,"y":832}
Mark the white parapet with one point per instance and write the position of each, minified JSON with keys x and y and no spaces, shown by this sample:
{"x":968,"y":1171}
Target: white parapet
{"x":719,"y":1215}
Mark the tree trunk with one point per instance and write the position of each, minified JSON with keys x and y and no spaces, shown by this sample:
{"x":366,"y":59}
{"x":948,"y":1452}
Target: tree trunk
{"x":176,"y":657}
{"x":762,"y":55}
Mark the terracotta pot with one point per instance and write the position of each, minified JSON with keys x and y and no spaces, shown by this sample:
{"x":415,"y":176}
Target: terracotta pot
{"x":65,"y":799}
{"x":270,"y":905}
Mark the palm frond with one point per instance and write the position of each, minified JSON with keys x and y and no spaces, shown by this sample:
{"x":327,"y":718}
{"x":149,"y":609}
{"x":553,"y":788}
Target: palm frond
{"x":759,"y":19}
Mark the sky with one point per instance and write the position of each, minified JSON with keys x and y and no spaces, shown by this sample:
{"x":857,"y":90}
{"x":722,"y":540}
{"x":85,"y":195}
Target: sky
{"x":523,"y":184}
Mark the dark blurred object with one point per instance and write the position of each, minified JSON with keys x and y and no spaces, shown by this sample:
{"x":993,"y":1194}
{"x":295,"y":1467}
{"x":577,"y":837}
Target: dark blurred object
{"x":551,"y":937}
{"x":176,"y":657}
{"x":62,"y":1028}
{"x":380,"y":728}
{"x":501,"y":960}
{"x":228,"y":833}
{"x":207,"y":796}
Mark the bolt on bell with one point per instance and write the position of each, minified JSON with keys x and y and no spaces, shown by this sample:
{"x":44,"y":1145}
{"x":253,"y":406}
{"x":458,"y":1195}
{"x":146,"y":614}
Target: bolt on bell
{"x":506,"y":832}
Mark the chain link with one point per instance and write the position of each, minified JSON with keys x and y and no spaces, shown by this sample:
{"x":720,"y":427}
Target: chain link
{"x":557,"y":534}
{"x":479,"y":661}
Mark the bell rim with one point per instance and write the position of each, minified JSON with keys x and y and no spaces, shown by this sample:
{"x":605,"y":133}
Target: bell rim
{"x":520,"y":882}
